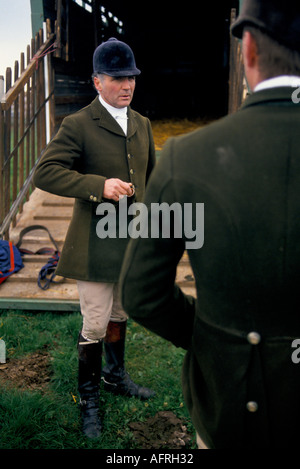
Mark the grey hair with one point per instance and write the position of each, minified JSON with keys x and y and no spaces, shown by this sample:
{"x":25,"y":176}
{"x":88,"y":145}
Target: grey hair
{"x":99,"y":76}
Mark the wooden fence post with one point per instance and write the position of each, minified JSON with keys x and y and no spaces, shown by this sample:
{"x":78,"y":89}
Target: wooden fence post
{"x":236,"y":72}
{"x":7,"y":147}
{"x":50,"y":91}
{"x":1,"y":149}
{"x":22,"y":130}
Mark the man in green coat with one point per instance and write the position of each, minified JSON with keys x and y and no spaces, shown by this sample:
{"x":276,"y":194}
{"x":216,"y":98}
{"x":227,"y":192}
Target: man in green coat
{"x":241,"y":373}
{"x":100,"y":154}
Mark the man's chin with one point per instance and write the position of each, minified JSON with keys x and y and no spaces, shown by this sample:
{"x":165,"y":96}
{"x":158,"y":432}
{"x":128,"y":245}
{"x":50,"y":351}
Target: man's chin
{"x":124,"y":101}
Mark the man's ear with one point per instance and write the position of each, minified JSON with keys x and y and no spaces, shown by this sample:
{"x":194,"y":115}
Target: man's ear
{"x":97,"y":84}
{"x":249,"y":49}
{"x":250,"y":56}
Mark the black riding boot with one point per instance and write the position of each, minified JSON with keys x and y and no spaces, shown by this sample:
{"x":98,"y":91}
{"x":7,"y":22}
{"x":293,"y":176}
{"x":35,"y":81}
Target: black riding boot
{"x":114,"y":376}
{"x":89,"y":376}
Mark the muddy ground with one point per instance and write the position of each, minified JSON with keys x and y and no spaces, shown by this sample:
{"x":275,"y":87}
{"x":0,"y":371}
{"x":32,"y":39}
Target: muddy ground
{"x":31,"y":372}
{"x":164,"y":430}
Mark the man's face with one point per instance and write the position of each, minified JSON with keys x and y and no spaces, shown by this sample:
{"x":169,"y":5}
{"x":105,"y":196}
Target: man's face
{"x":116,"y":91}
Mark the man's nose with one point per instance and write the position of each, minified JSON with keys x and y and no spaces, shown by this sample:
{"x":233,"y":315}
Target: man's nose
{"x":126,"y":84}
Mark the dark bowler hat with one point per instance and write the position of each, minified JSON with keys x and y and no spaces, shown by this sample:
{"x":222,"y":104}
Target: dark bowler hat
{"x":115,"y":58}
{"x":278,"y":18}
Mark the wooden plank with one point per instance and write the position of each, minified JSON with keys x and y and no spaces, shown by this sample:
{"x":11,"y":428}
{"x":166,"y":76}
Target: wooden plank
{"x":53,"y":212}
{"x":31,"y":291}
{"x":58,"y":202}
{"x":31,"y":270}
{"x":39,"y":304}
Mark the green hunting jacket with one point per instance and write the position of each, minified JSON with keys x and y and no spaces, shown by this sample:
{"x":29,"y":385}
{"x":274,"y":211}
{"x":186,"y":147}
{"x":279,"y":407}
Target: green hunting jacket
{"x":240,"y":382}
{"x":89,"y":148}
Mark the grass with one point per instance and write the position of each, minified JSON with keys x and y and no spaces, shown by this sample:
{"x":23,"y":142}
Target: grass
{"x":49,"y":418}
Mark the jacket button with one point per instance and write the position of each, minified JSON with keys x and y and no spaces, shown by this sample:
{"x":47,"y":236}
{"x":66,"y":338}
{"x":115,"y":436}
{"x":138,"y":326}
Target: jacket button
{"x":252,"y":406}
{"x":253,"y":338}
{"x":132,"y":171}
{"x":91,"y":197}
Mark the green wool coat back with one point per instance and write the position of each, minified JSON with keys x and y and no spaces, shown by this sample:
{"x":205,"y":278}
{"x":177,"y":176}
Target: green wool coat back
{"x":89,"y":148}
{"x":239,"y":381}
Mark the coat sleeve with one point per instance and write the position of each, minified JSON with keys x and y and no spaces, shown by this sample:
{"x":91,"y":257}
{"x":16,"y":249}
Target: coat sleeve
{"x":58,"y":170}
{"x":147,"y":283}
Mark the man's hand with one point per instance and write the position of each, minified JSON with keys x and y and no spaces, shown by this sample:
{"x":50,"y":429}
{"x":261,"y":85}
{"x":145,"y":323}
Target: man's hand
{"x":115,"y":189}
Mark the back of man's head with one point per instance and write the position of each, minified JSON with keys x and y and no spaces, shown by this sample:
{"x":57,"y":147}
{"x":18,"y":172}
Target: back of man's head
{"x":275,"y":26}
{"x":274,"y":59}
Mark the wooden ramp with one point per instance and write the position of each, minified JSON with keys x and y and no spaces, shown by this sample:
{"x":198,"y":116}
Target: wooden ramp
{"x":21,"y":290}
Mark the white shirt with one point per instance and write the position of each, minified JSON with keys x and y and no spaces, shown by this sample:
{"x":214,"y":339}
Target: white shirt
{"x":283,"y":80}
{"x":119,"y":114}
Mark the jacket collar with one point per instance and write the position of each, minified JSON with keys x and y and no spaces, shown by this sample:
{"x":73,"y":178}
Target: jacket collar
{"x":280,"y":95}
{"x":106,"y":121}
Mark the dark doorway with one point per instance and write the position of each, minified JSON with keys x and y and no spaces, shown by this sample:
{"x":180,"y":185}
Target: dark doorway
{"x":182,"y":49}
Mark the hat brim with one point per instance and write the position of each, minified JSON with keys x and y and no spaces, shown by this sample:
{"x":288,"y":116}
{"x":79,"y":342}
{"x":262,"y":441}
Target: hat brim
{"x":121,"y":73}
{"x":238,"y":26}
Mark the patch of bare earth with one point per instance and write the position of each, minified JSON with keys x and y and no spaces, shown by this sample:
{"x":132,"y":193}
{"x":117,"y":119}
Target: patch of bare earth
{"x":164,"y":430}
{"x":31,"y":372}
